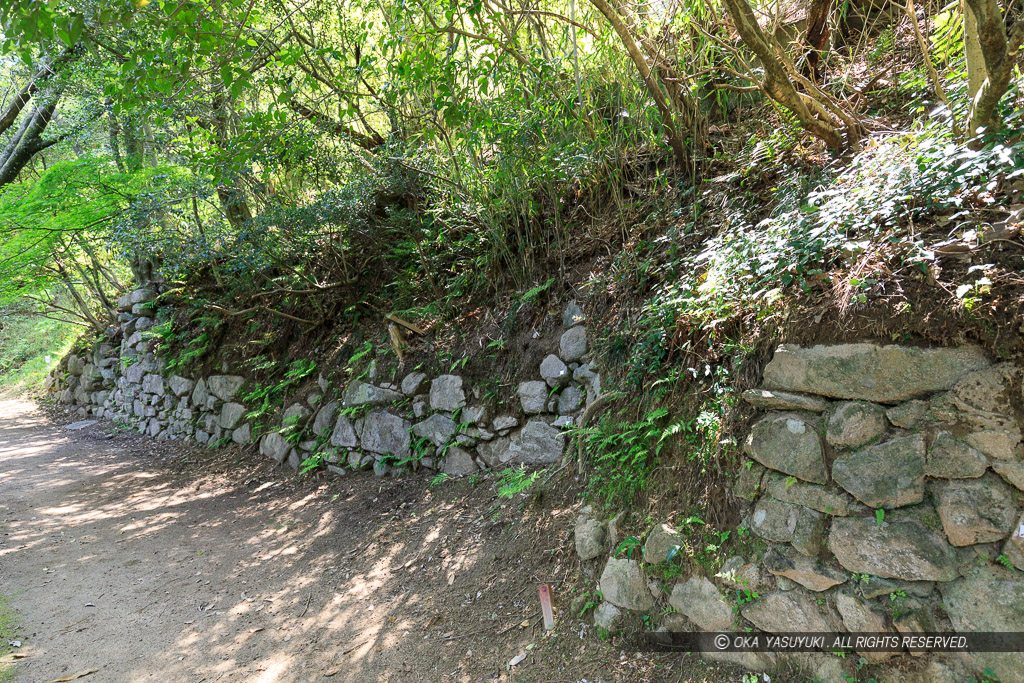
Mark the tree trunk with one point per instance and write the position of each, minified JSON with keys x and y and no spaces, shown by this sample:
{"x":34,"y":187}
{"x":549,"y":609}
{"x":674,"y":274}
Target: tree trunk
{"x":976,"y":71}
{"x":114,"y":130}
{"x":817,"y":36}
{"x":777,"y":83}
{"x":999,"y":53}
{"x":675,"y":141}
{"x":27,"y":142}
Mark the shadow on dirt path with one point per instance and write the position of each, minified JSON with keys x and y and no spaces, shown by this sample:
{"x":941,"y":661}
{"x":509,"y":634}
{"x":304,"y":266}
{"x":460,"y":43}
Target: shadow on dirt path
{"x":118,"y":562}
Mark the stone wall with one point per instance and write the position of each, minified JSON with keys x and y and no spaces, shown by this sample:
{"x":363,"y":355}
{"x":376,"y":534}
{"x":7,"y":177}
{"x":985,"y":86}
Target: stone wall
{"x":886,"y":484}
{"x":438,"y":423}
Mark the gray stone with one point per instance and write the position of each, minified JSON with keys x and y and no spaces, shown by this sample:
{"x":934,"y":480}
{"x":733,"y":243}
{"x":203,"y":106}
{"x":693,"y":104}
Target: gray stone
{"x":344,"y":434}
{"x":774,"y":520}
{"x":814,"y":496}
{"x":974,"y":510}
{"x":294,"y":460}
{"x":624,"y":585}
{"x":274,"y":446}
{"x":952,"y":459}
{"x":385,"y":433}
{"x":1011,"y":472}
{"x":554,"y":372}
{"x":809,"y":534}
{"x":590,"y":379}
{"x":888,"y":475}
{"x":859,"y":618}
{"x":781,"y":400}
{"x":896,"y":550}
{"x":702,"y":603}
{"x":787,"y":443}
{"x":907,"y":415}
{"x":570,"y":400}
{"x":573,"y":314}
{"x":996,"y":444}
{"x":142,"y":323}
{"x":786,"y":612}
{"x":412,"y":383}
{"x":325,"y":419}
{"x":458,"y":463}
{"x":608,"y":617}
{"x":659,"y":543}
{"x":473,"y":414}
{"x":437,"y":428}
{"x":380,"y":468}
{"x":573,"y":344}
{"x":446,"y":393}
{"x":180,"y":386}
{"x":590,"y":535}
{"x":884,"y":374}
{"x":876,"y":586}
{"x":200,"y":394}
{"x":989,"y":599}
{"x":420,"y":406}
{"x":231,"y":415}
{"x":495,"y":453}
{"x":748,"y":480}
{"x":141,"y":296}
{"x":538,"y":443}
{"x":243,"y":434}
{"x":153,"y":384}
{"x":295,"y":414}
{"x":808,"y":572}
{"x":854,"y":424}
{"x":1014,"y":546}
{"x":360,"y":393}
{"x":533,"y":395}
{"x":224,"y":387}
{"x":503,"y":422}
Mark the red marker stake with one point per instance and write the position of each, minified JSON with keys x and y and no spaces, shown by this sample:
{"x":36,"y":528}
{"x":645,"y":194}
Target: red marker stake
{"x":545,"y":606}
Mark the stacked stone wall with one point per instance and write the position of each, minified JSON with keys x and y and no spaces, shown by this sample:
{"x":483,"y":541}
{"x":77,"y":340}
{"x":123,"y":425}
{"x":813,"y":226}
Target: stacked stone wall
{"x":887,"y":484}
{"x":438,"y":423}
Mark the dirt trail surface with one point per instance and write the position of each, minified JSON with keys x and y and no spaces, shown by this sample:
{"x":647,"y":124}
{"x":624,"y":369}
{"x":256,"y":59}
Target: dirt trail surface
{"x":144,"y":561}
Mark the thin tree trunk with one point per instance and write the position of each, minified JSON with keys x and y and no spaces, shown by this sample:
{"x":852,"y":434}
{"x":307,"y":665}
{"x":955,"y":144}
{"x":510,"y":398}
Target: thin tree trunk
{"x":818,"y":33}
{"x":674,"y":139}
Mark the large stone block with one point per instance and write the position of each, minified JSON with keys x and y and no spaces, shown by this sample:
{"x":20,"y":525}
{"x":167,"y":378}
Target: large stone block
{"x":950,"y":458}
{"x":533,"y":395}
{"x":884,"y":374}
{"x":854,"y":424}
{"x":888,"y":475}
{"x":224,"y":387}
{"x":446,"y":393}
{"x":901,"y":549}
{"x":231,"y":415}
{"x":786,"y":612}
{"x":360,"y":393}
{"x":989,"y":599}
{"x":386,"y":434}
{"x":807,"y":571}
{"x":437,"y":428}
{"x":788,"y":443}
{"x":703,"y":604}
{"x":624,"y":585}
{"x":538,"y":443}
{"x":974,"y":510}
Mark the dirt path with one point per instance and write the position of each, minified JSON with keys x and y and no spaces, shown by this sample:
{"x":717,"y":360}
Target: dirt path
{"x":120,"y":559}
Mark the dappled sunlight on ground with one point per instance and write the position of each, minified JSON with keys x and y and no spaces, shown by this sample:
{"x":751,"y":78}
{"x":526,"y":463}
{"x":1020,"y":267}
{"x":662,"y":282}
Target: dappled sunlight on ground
{"x":118,"y":564}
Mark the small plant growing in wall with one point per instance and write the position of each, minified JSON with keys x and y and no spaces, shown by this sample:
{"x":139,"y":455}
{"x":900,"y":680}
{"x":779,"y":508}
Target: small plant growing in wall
{"x":628,"y":546}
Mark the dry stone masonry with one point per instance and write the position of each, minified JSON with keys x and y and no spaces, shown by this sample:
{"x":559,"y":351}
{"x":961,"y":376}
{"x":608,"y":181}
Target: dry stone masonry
{"x":887,"y":484}
{"x":437,"y":423}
